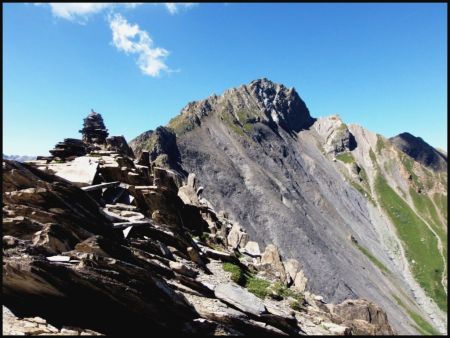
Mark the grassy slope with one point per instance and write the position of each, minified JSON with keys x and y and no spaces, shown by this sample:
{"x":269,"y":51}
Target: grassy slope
{"x":420,"y":244}
{"x":373,"y":259}
{"x":422,"y":325}
{"x":426,"y":209}
{"x":441,"y":203}
{"x":345,"y":157}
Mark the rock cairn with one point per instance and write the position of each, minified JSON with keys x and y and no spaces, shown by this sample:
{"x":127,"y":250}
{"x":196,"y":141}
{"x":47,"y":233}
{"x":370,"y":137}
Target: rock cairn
{"x":94,"y":130}
{"x":94,"y":139}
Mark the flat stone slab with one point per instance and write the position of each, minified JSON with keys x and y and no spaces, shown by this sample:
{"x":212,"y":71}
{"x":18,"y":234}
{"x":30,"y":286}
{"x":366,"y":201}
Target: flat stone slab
{"x":252,"y":248}
{"x":239,"y":297}
{"x":81,"y":171}
{"x":59,"y":258}
{"x":101,"y":186}
{"x":146,"y":187}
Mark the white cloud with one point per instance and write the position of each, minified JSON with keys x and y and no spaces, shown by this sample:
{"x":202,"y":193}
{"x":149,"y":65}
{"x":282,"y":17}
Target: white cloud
{"x":132,"y":40}
{"x":80,"y":11}
{"x":74,"y":11}
{"x":173,"y":7}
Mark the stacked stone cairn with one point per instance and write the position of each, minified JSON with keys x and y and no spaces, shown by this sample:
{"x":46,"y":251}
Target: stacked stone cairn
{"x":94,"y":130}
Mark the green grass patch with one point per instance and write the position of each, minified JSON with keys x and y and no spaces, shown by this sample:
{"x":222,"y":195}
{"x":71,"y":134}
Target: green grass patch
{"x":422,"y":325}
{"x":342,"y":127}
{"x":419,"y":242}
{"x":408,"y":163}
{"x":388,"y":166}
{"x":373,"y":157}
{"x":237,"y":273}
{"x":345,"y":157}
{"x":372,"y":258}
{"x":426,"y":209}
{"x":363,"y":175}
{"x":296,"y":305}
{"x":248,"y":127}
{"x":216,"y":246}
{"x":441,"y":203}
{"x":284,"y":292}
{"x":362,"y":191}
{"x":255,"y":285}
{"x":245,"y":115}
{"x":231,"y":122}
{"x":181,"y":123}
{"x":380,"y":144}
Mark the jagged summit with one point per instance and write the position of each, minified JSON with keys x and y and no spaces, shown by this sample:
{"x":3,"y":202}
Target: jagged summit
{"x":421,"y":151}
{"x":282,"y":104}
{"x":259,"y":101}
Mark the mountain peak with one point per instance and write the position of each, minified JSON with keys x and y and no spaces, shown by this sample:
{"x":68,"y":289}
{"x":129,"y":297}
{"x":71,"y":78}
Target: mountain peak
{"x":421,"y":151}
{"x":259,"y":101}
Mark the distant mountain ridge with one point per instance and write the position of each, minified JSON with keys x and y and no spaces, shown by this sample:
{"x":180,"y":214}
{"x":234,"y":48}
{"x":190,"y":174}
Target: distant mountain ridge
{"x":421,"y":151}
{"x":19,"y":158}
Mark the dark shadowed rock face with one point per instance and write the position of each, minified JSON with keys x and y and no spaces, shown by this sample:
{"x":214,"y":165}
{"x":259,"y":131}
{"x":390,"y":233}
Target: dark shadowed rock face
{"x":421,"y":151}
{"x":281,"y":104}
{"x":68,"y":148}
{"x":161,"y":145}
{"x":119,"y":145}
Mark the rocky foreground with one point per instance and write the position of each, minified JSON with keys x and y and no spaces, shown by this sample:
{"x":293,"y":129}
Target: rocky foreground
{"x":102,"y":243}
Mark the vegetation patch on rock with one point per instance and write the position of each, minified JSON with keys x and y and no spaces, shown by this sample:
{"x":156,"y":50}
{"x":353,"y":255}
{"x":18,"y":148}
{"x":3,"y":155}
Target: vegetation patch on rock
{"x":372,"y":258}
{"x":255,"y":285}
{"x":345,"y":157}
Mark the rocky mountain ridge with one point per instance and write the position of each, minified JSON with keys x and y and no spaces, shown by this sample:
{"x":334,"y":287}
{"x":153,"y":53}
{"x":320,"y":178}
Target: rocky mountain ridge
{"x":98,"y":242}
{"x":420,"y":151}
{"x":353,"y":208}
{"x":19,"y":158}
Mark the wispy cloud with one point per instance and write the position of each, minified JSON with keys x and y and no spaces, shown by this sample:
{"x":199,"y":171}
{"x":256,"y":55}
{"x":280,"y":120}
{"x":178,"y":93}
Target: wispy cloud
{"x":81,"y":11}
{"x":77,"y":11}
{"x":173,"y":7}
{"x":132,"y":40}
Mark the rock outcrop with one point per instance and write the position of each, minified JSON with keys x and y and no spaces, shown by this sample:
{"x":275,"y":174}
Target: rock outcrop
{"x":362,"y":316}
{"x":336,"y":134}
{"x":118,"y":144}
{"x":70,"y":147}
{"x":161,"y":145}
{"x":271,"y":260}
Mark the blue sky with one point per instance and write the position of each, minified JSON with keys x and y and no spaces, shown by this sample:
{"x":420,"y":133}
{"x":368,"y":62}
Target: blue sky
{"x":383,"y":66}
